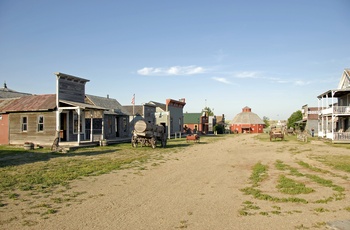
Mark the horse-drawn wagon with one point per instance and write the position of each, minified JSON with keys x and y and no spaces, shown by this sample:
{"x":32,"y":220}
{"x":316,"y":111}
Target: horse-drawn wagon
{"x":147,"y":134}
{"x":276,"y":133}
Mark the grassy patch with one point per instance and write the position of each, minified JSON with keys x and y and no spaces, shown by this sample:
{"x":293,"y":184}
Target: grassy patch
{"x":338,"y":162}
{"x":289,"y":186}
{"x":259,"y":173}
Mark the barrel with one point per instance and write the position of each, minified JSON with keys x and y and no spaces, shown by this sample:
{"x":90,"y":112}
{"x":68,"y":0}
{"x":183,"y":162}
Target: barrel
{"x":142,"y":126}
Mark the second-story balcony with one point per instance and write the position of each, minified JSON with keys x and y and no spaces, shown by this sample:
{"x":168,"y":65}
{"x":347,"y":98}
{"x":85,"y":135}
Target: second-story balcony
{"x":336,"y":110}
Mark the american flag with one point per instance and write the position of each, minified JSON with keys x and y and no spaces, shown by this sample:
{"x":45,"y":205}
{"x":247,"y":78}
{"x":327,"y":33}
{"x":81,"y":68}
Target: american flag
{"x":133,"y":100}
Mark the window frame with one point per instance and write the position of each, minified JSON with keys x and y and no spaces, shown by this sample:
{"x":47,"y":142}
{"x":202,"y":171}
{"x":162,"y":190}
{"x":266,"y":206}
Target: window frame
{"x":24,"y":125}
{"x":40,"y":124}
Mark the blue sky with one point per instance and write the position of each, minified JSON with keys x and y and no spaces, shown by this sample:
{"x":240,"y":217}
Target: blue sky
{"x":273,"y":56}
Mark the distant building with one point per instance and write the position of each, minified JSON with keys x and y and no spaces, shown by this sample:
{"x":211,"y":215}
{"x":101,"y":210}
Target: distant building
{"x":247,"y":122}
{"x":170,"y":115}
{"x":192,"y":122}
{"x":137,"y":112}
{"x":310,"y":118}
{"x":9,"y":93}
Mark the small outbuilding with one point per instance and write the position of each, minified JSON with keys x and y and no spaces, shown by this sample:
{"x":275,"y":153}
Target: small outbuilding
{"x":247,"y":122}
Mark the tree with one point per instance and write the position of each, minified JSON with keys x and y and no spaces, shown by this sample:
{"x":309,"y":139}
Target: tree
{"x":296,"y":116}
{"x":209,"y":111}
{"x":219,"y":128}
{"x":266,"y":121}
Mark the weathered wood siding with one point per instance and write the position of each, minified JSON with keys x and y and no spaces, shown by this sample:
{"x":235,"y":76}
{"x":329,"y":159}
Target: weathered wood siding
{"x":45,"y":137}
{"x":4,"y":129}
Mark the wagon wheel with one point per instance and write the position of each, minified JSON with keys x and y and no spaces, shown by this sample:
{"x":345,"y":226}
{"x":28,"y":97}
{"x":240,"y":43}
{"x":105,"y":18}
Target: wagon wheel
{"x":133,"y":142}
{"x":153,"y":142}
{"x":142,"y":142}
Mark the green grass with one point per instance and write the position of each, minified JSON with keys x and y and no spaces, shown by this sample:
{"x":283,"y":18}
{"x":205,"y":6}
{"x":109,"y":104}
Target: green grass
{"x":289,"y":186}
{"x":339,"y":162}
{"x":259,"y":173}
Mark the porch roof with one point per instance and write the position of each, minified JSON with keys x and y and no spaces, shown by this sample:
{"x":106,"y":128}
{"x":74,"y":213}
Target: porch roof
{"x":82,"y":105}
{"x":337,"y":93}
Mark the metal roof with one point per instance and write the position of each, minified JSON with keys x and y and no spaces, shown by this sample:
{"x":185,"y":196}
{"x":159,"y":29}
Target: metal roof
{"x":31,"y":103}
{"x":192,"y":118}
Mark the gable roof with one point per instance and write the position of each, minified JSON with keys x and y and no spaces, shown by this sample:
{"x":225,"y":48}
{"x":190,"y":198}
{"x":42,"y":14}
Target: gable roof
{"x":30,"y":103}
{"x":192,"y":118}
{"x":110,"y":103}
{"x":345,"y":80}
{"x":159,"y":105}
{"x":134,"y":109}
{"x":9,"y":93}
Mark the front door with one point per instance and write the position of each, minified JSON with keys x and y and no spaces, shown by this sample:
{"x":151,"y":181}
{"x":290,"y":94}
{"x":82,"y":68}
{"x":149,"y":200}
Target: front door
{"x":63,"y":128}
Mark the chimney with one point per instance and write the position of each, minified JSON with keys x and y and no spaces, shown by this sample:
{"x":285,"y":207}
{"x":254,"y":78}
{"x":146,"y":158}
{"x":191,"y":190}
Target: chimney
{"x":108,"y":96}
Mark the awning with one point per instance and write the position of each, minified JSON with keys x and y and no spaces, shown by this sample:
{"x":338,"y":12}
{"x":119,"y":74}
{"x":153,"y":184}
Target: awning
{"x":82,"y":105}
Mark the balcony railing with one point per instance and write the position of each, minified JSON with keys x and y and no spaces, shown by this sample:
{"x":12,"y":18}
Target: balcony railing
{"x":336,"y":110}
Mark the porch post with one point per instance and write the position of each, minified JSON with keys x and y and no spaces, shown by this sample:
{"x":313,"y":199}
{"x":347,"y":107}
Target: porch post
{"x":103,"y":127}
{"x":91,"y":126}
{"x":79,"y":112}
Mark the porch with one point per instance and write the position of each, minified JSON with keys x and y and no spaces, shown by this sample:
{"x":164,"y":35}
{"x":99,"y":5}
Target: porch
{"x":336,"y":137}
{"x":336,"y":110}
{"x":71,"y":145}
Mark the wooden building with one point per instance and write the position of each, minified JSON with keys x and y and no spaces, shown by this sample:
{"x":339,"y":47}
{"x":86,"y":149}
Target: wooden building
{"x":247,"y":122}
{"x":145,"y":112}
{"x":41,"y":118}
{"x":334,"y":112}
{"x":192,"y":122}
{"x":170,"y":115}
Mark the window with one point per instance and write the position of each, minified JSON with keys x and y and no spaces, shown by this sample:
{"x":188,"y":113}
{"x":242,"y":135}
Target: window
{"x":75,"y":121}
{"x":40,"y":123}
{"x":24,"y":124}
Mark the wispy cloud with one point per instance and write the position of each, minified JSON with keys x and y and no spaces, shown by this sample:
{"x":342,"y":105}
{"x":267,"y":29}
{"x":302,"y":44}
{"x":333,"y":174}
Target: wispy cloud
{"x":222,"y":80}
{"x":299,"y":82}
{"x":174,"y":70}
{"x":261,"y":76}
{"x":247,"y":74}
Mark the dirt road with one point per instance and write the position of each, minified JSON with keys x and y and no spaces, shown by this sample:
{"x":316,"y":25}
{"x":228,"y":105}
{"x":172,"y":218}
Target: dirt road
{"x":201,"y":189}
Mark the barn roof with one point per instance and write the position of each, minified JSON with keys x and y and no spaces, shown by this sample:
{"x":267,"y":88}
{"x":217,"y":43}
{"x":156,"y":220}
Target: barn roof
{"x":247,"y":117}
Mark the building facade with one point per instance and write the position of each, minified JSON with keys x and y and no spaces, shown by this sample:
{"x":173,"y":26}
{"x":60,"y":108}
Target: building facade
{"x":334,"y":112}
{"x":247,"y":122}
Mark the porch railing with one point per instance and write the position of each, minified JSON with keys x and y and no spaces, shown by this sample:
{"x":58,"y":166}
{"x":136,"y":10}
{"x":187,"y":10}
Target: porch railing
{"x":341,"y":136}
{"x":337,"y":110}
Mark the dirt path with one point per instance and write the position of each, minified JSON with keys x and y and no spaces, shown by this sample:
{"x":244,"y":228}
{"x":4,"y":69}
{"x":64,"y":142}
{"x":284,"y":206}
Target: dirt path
{"x":200,"y":189}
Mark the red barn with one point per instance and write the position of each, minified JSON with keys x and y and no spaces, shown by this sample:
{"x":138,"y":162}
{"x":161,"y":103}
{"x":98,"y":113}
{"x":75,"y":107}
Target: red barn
{"x":247,"y":122}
